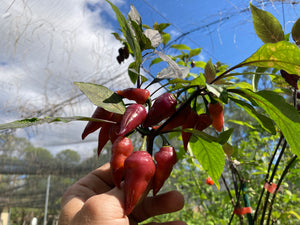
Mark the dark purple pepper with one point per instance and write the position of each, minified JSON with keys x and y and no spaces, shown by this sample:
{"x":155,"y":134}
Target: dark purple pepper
{"x":134,"y":115}
{"x":163,"y":107}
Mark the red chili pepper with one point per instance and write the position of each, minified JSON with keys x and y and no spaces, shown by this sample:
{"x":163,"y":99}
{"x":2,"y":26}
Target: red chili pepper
{"x":165,"y":160}
{"x":178,"y":120}
{"x":204,"y":121}
{"x":120,"y":150}
{"x":113,"y":132}
{"x":136,"y":94}
{"x":163,"y":107}
{"x":139,"y":169}
{"x":216,"y":112}
{"x":92,"y":126}
{"x":209,"y":181}
{"x":134,"y":115}
{"x":190,"y":122}
{"x":103,"y":137}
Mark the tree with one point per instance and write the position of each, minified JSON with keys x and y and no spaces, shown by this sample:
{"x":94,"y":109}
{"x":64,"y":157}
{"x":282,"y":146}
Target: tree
{"x":243,"y":166}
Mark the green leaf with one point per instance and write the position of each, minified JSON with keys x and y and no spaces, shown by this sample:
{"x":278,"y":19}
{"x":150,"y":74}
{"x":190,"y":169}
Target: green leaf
{"x":296,"y":31}
{"x":210,"y":155}
{"x":218,"y":91}
{"x":200,"y":64}
{"x":264,"y":121}
{"x":155,"y":61}
{"x":129,"y":36}
{"x":180,"y":47}
{"x":160,"y":27}
{"x":266,"y":26}
{"x":166,"y":38}
{"x":102,"y":96}
{"x":242,"y":123}
{"x":199,"y":81}
{"x":224,"y":136}
{"x":194,"y":52}
{"x":280,"y":55}
{"x":256,"y":77}
{"x":37,"y":121}
{"x":283,"y":114}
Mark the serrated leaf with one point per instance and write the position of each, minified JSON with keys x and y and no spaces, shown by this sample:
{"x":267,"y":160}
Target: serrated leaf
{"x":266,"y":26}
{"x":154,"y":37}
{"x":37,"y":121}
{"x":280,"y":55}
{"x":296,"y":31}
{"x":264,"y":121}
{"x":180,"y":47}
{"x":194,"y":52}
{"x":129,"y":36}
{"x":102,"y":96}
{"x":283,"y":114}
{"x":210,"y":155}
{"x":209,"y":71}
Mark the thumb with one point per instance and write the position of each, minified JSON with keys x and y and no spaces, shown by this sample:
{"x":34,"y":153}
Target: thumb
{"x":106,"y":208}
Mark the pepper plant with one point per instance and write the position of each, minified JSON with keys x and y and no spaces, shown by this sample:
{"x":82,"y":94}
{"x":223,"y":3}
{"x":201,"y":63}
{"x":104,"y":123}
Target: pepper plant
{"x":191,"y":103}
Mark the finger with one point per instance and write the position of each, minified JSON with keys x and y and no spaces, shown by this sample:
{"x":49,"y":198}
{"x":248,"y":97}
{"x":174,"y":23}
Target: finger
{"x":101,"y":209}
{"x":96,"y":182}
{"x":164,"y":203}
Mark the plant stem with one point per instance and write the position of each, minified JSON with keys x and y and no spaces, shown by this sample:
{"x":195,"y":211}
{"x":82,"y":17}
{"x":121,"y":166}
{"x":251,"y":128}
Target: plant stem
{"x":278,"y":186}
{"x":267,"y":177}
{"x":228,"y":191}
{"x":271,"y":180}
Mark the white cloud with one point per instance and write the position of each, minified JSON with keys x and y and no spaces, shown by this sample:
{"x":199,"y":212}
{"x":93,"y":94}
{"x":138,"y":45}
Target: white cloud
{"x":45,"y":47}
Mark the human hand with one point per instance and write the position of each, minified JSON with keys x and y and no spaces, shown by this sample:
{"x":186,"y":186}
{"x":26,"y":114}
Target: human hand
{"x":95,"y":200}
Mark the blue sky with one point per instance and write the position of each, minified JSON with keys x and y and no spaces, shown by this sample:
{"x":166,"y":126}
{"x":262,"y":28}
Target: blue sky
{"x":225,"y":27}
{"x":47,"y":45}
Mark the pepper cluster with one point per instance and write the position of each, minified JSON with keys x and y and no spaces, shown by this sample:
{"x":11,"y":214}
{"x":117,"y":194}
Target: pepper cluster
{"x":139,"y":171}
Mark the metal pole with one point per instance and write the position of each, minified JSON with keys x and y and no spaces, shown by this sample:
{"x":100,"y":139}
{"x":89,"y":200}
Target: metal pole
{"x":46,"y":201}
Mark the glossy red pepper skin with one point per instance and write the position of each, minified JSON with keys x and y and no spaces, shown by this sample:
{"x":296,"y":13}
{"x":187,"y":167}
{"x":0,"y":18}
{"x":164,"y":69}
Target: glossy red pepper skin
{"x":103,"y":137}
{"x":92,"y":126}
{"x":165,"y":160}
{"x":113,"y":132}
{"x":204,"y":120}
{"x":163,"y":107}
{"x":134,"y":115}
{"x":121,"y":149}
{"x":190,"y":122}
{"x":178,"y":120}
{"x":139,"y":169}
{"x":138,"y":95}
{"x":216,"y":112}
